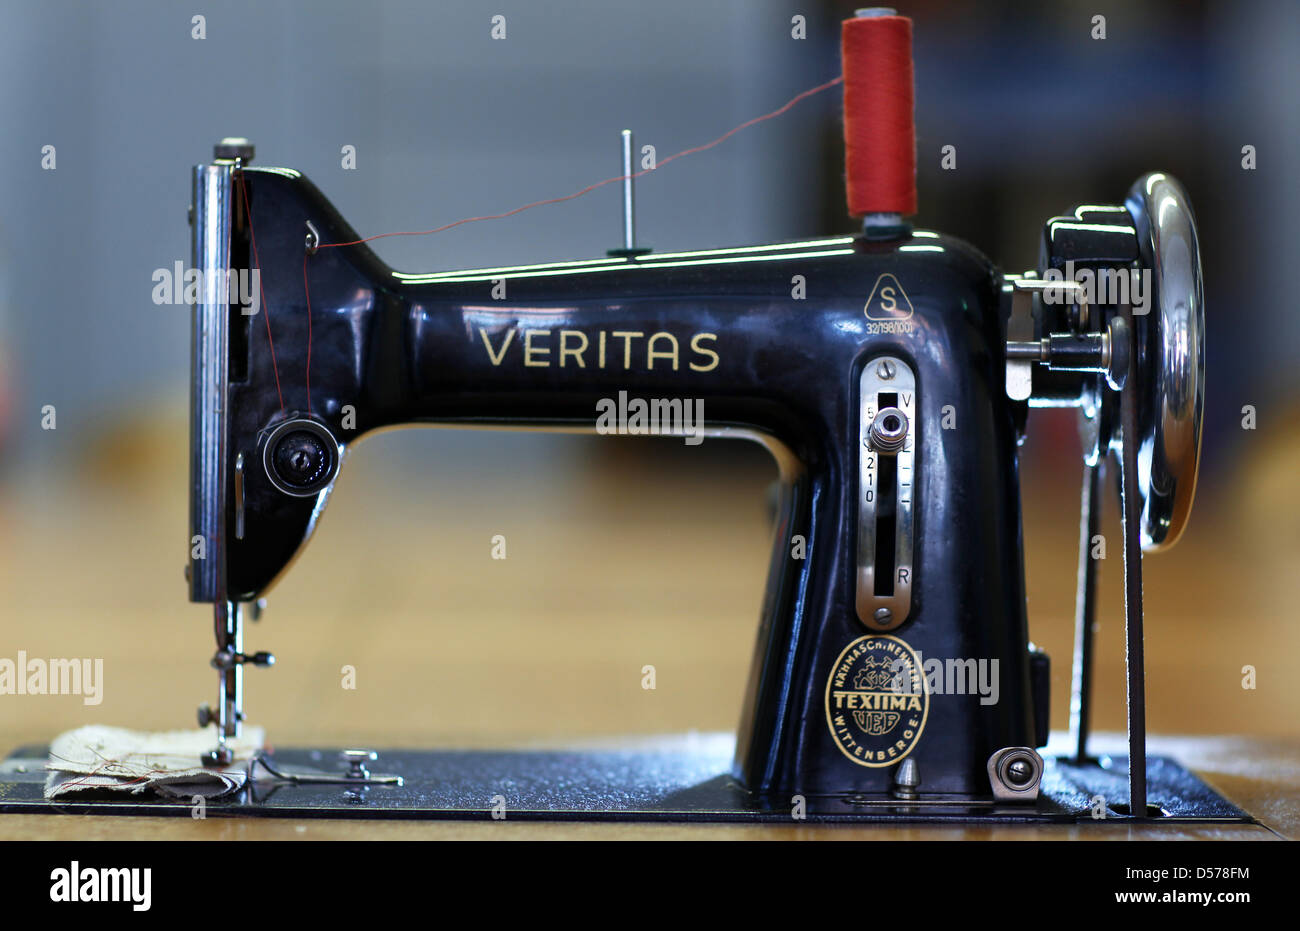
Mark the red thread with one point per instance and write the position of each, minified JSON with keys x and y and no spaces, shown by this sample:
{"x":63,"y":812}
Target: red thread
{"x":879,"y":132}
{"x":510,"y":213}
{"x":266,"y":308}
{"x":645,"y":171}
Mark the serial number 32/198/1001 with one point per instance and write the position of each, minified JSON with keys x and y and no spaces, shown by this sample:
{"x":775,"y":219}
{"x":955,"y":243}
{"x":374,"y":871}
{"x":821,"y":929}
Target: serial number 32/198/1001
{"x":878,"y":327}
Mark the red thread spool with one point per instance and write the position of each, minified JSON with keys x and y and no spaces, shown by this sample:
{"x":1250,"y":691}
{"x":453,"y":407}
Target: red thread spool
{"x":879,"y":132}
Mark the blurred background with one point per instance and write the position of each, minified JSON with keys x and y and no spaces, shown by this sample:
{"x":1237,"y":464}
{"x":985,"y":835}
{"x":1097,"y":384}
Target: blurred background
{"x":621,"y":552}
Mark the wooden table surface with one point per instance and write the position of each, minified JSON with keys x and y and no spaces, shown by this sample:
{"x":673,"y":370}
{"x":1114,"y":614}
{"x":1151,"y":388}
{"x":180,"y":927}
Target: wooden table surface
{"x":620,"y":553}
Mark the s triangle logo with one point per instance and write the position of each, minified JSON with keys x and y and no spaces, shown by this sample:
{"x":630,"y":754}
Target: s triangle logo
{"x":888,"y":300}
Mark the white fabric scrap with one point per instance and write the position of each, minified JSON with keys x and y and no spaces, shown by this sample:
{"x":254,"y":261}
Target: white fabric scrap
{"x":117,"y":759}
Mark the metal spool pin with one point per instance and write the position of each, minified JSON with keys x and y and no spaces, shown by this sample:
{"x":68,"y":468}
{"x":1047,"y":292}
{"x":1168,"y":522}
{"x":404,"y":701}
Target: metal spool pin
{"x":629,"y":249}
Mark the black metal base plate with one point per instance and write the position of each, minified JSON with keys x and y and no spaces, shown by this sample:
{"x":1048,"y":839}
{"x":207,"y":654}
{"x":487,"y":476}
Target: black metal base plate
{"x":675,"y":780}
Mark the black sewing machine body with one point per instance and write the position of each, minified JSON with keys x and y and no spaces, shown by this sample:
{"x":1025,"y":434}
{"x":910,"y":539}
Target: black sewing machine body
{"x":890,"y":376}
{"x":723,"y":326}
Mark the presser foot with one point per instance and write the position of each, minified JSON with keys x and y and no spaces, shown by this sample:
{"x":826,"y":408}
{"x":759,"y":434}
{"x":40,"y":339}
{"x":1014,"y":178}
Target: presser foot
{"x":219,"y":756}
{"x":229,"y":661}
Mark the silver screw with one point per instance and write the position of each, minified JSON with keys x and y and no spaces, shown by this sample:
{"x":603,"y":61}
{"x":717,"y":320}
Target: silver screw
{"x":885,"y":369}
{"x":907,"y":779}
{"x":884,"y":615}
{"x":356,"y":761}
{"x":234,"y":148}
{"x":1019,"y":772}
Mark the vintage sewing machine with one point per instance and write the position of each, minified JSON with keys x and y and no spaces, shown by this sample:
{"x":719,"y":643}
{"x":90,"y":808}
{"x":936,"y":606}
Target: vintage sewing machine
{"x":896,"y":430}
{"x":893,"y":395}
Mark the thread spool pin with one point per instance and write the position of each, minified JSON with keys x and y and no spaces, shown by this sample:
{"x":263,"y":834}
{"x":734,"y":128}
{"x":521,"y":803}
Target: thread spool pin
{"x":629,"y":249}
{"x":629,"y":204}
